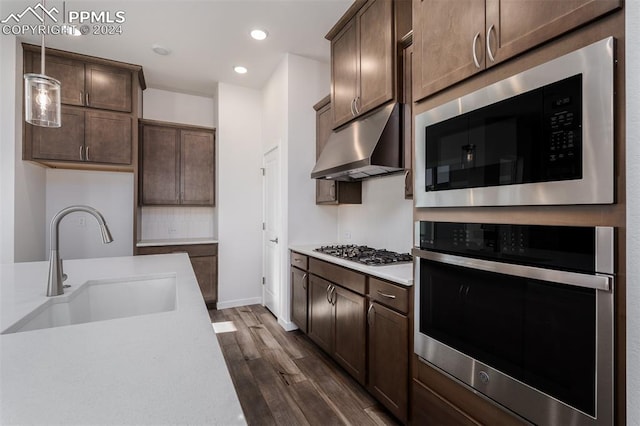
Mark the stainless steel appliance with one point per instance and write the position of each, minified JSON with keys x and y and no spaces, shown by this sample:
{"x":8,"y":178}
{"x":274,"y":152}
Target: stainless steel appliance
{"x":365,"y":255}
{"x":522,"y":314}
{"x":541,"y":137}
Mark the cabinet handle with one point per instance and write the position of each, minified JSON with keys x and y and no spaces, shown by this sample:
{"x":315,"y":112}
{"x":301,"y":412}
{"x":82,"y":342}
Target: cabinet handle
{"x":388,"y":296}
{"x":87,"y":156}
{"x":473,"y":50}
{"x":81,"y":159}
{"x":333,"y":292}
{"x":353,"y":113}
{"x":327,"y":297}
{"x":488,"y":40}
{"x":304,"y":277}
{"x":86,"y":98}
{"x":371,"y":308}
{"x":355,"y":104}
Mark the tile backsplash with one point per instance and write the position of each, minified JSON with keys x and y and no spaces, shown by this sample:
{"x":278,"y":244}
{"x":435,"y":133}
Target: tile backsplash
{"x":178,"y":222}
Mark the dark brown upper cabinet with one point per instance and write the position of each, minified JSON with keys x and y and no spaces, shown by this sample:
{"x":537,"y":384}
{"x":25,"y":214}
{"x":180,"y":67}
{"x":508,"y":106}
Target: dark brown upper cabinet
{"x":100,"y":102}
{"x":457,"y":39}
{"x":363,"y":57}
{"x":331,"y":191}
{"x":177,"y":164}
{"x":85,"y":83}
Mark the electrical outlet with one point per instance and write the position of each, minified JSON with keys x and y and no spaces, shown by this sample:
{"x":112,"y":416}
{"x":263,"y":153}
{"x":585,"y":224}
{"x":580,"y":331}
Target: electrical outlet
{"x":82,"y":222}
{"x":172,"y":229}
{"x":347,"y":235}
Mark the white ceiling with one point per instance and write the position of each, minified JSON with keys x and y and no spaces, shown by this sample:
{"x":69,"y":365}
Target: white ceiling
{"x":206,"y":37}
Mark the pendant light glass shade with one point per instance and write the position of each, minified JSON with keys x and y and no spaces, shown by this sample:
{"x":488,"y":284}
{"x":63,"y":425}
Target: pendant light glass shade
{"x":42,"y":100}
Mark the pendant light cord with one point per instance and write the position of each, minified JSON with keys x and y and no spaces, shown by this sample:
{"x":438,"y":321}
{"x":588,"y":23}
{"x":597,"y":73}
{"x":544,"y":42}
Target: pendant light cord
{"x":44,"y":6}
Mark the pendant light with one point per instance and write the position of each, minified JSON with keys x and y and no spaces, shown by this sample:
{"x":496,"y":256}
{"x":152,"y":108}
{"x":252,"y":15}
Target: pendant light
{"x":42,"y":94}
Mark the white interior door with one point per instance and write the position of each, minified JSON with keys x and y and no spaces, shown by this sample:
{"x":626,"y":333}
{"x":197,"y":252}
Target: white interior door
{"x":270,"y":289}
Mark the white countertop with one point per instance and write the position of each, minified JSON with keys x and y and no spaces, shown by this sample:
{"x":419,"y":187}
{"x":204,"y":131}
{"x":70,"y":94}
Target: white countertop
{"x":400,"y":273}
{"x":175,"y":242}
{"x":162,"y":368}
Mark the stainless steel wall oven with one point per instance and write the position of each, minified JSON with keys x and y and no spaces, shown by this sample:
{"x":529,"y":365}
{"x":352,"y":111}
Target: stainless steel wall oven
{"x":543,"y":136}
{"x":522,"y":314}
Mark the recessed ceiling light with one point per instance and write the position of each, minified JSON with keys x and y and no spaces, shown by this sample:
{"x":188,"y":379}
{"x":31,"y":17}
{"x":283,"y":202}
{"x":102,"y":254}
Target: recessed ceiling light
{"x":240,"y":69}
{"x":259,"y":34}
{"x":160,"y":50}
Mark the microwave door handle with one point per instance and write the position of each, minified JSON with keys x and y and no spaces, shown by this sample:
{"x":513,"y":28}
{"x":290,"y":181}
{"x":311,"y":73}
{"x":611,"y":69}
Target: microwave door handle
{"x":596,"y":282}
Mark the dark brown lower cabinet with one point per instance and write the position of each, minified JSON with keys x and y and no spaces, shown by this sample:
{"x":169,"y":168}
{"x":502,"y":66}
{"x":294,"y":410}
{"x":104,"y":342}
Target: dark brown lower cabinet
{"x":429,"y":408}
{"x":337,"y":324}
{"x":389,"y":358}
{"x":320,"y":313}
{"x":204,"y":261}
{"x":299,"y":303}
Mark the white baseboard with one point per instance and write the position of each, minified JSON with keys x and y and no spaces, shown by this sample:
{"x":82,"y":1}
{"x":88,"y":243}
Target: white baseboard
{"x":287,"y":325}
{"x":239,"y":302}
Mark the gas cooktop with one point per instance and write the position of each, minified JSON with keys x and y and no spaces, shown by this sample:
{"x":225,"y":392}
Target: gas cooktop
{"x":366,"y":255}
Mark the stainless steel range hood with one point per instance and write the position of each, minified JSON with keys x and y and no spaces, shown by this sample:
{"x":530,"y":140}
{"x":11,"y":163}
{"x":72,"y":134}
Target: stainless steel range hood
{"x":370,"y":146}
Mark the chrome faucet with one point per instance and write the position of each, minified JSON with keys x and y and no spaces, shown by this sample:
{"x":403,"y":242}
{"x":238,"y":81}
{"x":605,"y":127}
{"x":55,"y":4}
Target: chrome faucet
{"x":56,"y":276}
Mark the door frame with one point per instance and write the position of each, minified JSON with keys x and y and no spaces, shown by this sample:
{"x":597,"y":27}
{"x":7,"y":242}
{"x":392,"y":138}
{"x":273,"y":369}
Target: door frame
{"x":274,"y":150}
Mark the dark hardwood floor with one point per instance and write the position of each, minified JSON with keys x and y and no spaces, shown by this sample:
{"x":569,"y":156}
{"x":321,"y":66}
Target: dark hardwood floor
{"x":282,"y":378}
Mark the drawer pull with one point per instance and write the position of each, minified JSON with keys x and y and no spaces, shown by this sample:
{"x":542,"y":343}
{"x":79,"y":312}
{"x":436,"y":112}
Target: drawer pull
{"x":297,"y":260}
{"x":388,"y":296}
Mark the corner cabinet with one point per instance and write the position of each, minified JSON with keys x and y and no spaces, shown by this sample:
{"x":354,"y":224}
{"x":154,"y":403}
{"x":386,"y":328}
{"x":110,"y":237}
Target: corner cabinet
{"x":331,"y":191}
{"x":362,"y":61}
{"x":204,"y":261}
{"x":177,"y":164}
{"x":100,"y":103}
{"x":455,"y":40}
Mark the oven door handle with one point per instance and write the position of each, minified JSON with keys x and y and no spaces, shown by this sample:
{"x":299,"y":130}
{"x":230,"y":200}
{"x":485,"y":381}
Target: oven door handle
{"x":597,"y":282}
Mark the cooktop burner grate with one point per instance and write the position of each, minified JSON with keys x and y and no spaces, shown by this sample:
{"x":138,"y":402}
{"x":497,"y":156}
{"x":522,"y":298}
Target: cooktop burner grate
{"x":366,"y":255}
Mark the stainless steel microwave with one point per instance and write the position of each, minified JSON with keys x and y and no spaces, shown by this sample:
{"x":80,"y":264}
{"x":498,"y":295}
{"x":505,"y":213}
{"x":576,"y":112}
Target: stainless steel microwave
{"x":541,"y":137}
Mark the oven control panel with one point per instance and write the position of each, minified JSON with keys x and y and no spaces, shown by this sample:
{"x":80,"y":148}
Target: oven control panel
{"x":568,"y":247}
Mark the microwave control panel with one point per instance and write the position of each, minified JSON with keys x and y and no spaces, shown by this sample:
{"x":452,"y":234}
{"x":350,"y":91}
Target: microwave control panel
{"x":563,"y":129}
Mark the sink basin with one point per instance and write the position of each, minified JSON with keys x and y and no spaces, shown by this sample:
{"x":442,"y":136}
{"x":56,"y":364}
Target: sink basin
{"x":102,"y":300}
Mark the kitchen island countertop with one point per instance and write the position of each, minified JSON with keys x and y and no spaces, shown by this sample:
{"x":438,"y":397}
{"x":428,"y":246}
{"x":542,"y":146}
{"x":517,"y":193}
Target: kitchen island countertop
{"x":161,"y":368}
{"x":401,"y":273}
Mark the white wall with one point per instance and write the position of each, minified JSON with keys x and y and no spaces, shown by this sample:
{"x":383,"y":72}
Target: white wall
{"x":23,"y":183}
{"x":289,"y":123}
{"x":175,"y":107}
{"x":632,"y":81}
{"x":179,"y":222}
{"x":111,"y":193}
{"x":7,"y":145}
{"x":383,"y":220}
{"x":239,"y":196}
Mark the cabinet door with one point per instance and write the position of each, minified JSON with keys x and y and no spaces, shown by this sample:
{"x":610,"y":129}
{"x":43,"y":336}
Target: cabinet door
{"x":429,"y":408}
{"x":444,"y":32}
{"x":320,"y":313}
{"x":62,"y":143}
{"x":160,"y":171}
{"x":196,"y":167}
{"x":344,"y":73}
{"x":206,"y":270}
{"x":108,"y":88}
{"x":514,"y":26}
{"x":389,"y":358}
{"x":325,"y":189}
{"x":68,"y":72}
{"x":350,"y":332}
{"x":108,"y":137}
{"x":299,"y":284}
{"x":375,"y":27}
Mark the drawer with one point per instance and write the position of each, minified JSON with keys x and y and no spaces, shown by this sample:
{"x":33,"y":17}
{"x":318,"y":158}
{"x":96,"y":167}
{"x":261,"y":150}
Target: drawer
{"x":299,"y":260}
{"x":388,"y":294}
{"x":194,"y":250}
{"x":344,"y":277}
